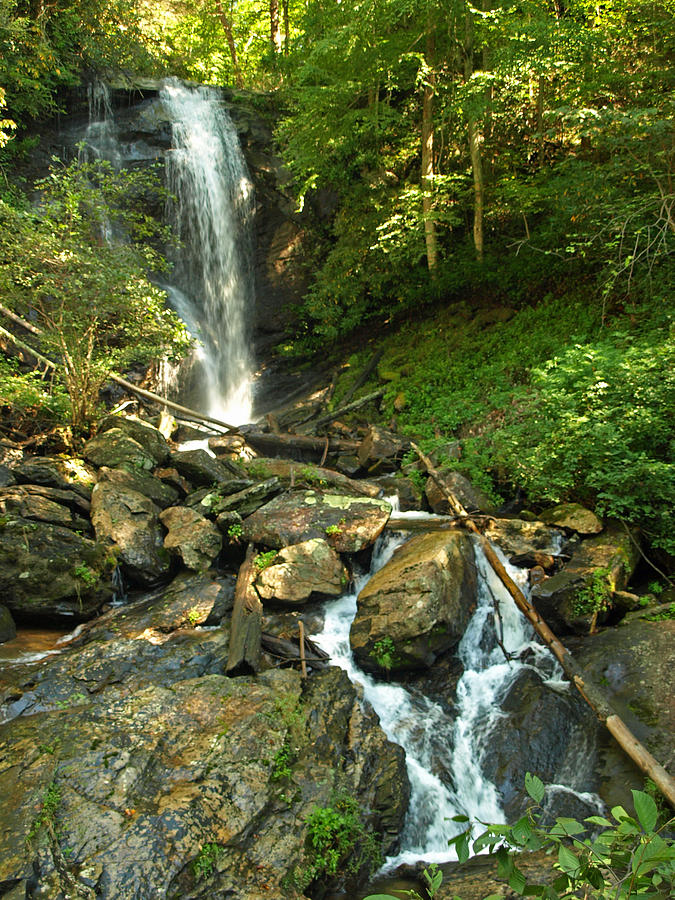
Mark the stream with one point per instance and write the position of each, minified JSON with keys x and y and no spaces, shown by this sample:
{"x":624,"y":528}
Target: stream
{"x":443,"y":750}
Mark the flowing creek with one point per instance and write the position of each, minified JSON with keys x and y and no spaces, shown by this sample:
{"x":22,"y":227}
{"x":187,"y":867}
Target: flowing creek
{"x":443,"y":749}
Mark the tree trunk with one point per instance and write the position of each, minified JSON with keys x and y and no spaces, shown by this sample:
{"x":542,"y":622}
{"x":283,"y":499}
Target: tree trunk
{"x":428,"y":158}
{"x":287,"y":27}
{"x":226,"y":22}
{"x":540,"y":121}
{"x":243,"y":657}
{"x":475,"y":141}
{"x":275,"y":26}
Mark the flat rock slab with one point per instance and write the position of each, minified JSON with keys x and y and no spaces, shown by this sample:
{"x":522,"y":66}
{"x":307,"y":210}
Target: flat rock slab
{"x":349,"y":523}
{"x":418,"y":605}
{"x":518,"y":536}
{"x":296,"y":474}
{"x":143,"y":483}
{"x":64,"y":474}
{"x":301,"y":573}
{"x":201,"y":468}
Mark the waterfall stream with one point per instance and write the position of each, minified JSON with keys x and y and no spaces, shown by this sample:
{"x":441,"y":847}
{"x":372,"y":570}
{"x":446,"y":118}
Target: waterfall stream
{"x":443,"y":751}
{"x":211,"y":209}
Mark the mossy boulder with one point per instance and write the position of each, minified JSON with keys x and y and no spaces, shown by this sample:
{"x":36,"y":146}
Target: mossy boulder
{"x":418,"y":605}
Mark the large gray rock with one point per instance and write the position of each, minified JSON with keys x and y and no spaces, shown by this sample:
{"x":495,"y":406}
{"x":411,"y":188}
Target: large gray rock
{"x":418,"y":605}
{"x":600,"y":565}
{"x":350,"y":523}
{"x":573,"y":516}
{"x":201,"y":468}
{"x":114,"y":448}
{"x":634,"y":662}
{"x":196,"y":540}
{"x":141,"y":778}
{"x":518,"y":536}
{"x":7,"y":477}
{"x":302,"y":573}
{"x":294,"y":474}
{"x":49,"y":572}
{"x":149,"y":437}
{"x":43,"y":504}
{"x":551,"y":732}
{"x":381,"y":449}
{"x":128,"y":521}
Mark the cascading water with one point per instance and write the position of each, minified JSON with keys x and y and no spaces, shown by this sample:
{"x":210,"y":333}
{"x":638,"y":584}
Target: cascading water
{"x":213,"y":284}
{"x":435,"y":743}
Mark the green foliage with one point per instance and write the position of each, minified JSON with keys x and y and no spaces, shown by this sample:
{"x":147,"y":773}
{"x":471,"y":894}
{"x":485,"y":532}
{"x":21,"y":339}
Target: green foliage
{"x":338,"y":841}
{"x":93,"y":299}
{"x":433,"y":878}
{"x":205,"y":861}
{"x":662,"y":615}
{"x":86,"y":575}
{"x":234,"y":531}
{"x":282,"y":762}
{"x":47,"y":815}
{"x":31,"y":401}
{"x":263,"y":560}
{"x":383,"y":653}
{"x":596,"y":595}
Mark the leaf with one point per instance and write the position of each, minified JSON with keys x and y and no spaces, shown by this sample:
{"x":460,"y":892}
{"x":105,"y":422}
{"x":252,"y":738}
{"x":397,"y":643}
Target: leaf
{"x":517,"y":881}
{"x":568,"y":861}
{"x":599,"y":820}
{"x":534,"y":787}
{"x":646,"y":810}
{"x":564,"y":826}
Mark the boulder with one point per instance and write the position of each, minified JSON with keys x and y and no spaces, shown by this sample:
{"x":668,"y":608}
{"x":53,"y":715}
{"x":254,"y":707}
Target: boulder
{"x":201,"y":468}
{"x":149,"y":437}
{"x":550,"y":731}
{"x":410,"y":496}
{"x":302,"y":573}
{"x":573,"y":516}
{"x":7,"y":626}
{"x":158,"y":491}
{"x":63,"y":474}
{"x":148,"y":783}
{"x":49,"y":572}
{"x":196,"y":540}
{"x":471,"y":498}
{"x":43,"y":504}
{"x":128,"y":521}
{"x":518,"y":536}
{"x":351,"y":523}
{"x":115,"y":448}
{"x":634,"y":661}
{"x":599,"y":566}
{"x":418,"y":605}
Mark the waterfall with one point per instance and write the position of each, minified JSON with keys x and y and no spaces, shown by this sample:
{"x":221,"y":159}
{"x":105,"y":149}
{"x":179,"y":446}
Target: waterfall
{"x":435,"y":742}
{"x":212,"y":286}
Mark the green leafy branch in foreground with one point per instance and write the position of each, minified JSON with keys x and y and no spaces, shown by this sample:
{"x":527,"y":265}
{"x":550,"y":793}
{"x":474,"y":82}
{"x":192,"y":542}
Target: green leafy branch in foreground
{"x":622,"y":859}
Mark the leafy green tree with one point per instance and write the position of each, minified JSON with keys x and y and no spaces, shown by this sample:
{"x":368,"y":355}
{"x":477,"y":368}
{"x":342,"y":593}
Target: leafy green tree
{"x":90,"y":295}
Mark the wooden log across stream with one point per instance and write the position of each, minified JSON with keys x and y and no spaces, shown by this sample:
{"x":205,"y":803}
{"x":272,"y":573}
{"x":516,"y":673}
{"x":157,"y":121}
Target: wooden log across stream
{"x":591,"y":693}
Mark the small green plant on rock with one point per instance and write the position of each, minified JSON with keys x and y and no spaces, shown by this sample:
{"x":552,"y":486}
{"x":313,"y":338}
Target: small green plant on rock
{"x":47,"y":815}
{"x":596,"y":595}
{"x":333,"y":529}
{"x":383,"y":653}
{"x":338,"y":841}
{"x":205,"y":861}
{"x":263,"y":560}
{"x":234,"y":531}
{"x":193,"y":616}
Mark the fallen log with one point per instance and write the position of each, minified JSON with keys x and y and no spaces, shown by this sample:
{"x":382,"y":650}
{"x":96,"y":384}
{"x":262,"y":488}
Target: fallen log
{"x":592,"y":693}
{"x":350,"y":407}
{"x":289,"y":650}
{"x":244,"y":652}
{"x":365,"y":374}
{"x":266,"y":442}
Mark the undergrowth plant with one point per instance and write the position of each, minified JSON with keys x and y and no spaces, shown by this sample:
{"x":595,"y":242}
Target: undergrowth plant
{"x":619,"y":858}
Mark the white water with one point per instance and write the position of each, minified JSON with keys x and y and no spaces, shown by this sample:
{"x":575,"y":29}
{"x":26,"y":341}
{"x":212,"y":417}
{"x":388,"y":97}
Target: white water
{"x":212,"y":212}
{"x":434,"y":741}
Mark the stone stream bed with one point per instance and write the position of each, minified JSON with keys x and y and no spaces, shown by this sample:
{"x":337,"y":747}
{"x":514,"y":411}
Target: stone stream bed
{"x":132,"y":766}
